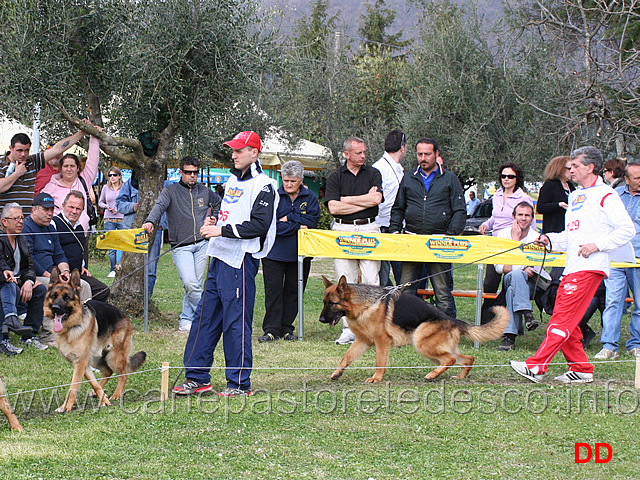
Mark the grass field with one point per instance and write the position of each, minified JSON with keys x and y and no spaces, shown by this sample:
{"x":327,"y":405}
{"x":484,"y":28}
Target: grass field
{"x":300,"y":424}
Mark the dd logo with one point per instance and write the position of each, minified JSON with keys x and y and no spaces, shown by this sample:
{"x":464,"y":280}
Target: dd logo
{"x":589,"y":452}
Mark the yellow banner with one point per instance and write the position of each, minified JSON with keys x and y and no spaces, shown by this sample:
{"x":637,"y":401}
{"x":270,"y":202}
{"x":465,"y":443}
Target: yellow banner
{"x":426,"y":248}
{"x":134,"y":240}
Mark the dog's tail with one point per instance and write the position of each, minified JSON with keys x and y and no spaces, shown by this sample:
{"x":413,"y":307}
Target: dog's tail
{"x":136,"y":361}
{"x":491,"y":330}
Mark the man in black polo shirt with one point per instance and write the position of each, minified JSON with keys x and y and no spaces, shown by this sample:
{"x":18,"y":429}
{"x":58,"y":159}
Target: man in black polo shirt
{"x":352,"y":195}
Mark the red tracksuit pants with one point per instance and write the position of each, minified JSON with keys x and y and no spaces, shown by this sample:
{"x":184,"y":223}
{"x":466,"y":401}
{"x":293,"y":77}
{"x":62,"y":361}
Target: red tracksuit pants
{"x":563,"y":333}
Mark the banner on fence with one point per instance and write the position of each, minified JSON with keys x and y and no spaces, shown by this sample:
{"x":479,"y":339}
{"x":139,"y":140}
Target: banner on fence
{"x":425,"y":248}
{"x":134,"y":240}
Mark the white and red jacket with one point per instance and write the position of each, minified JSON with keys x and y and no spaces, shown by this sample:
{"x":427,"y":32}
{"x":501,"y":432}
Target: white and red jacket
{"x":595,"y":215}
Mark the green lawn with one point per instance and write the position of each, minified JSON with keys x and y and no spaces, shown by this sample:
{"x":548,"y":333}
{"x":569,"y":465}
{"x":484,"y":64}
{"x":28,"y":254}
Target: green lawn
{"x":300,"y":424}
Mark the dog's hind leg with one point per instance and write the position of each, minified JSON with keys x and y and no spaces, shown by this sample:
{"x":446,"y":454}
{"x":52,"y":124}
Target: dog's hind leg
{"x":117,"y":394}
{"x":356,"y":350}
{"x":467,"y":361}
{"x":446,"y":360}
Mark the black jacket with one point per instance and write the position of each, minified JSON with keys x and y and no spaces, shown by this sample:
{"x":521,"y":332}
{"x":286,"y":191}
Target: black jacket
{"x":551,"y":194}
{"x":7,"y":262}
{"x":440,"y":210}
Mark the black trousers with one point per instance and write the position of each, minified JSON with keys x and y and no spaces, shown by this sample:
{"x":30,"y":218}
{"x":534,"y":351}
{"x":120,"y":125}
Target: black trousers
{"x":281,"y":294}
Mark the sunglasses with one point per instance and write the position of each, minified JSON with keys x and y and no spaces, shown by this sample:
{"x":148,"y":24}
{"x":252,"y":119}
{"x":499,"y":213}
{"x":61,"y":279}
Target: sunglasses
{"x":510,"y":177}
{"x":114,"y":174}
{"x":606,"y":170}
{"x":190,"y":172}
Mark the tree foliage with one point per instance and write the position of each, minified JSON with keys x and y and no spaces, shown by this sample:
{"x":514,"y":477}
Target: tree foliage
{"x":190,"y":70}
{"x":593,"y":47}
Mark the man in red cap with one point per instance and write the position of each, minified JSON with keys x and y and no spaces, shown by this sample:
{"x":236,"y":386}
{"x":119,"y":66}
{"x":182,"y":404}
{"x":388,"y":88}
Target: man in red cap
{"x":244,"y":232}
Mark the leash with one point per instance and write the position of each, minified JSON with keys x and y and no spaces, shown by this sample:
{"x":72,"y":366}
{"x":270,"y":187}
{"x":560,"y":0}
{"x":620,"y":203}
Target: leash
{"x":393,"y":290}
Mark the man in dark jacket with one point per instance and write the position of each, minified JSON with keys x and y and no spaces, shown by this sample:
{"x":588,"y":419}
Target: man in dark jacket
{"x":18,"y":286}
{"x":430,"y":201}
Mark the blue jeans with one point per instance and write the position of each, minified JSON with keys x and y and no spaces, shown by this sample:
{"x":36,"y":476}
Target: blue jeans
{"x":441,"y":279}
{"x":114,"y":255}
{"x":191,"y":262}
{"x":518,"y":292}
{"x":9,"y":296}
{"x":154,"y":254}
{"x":616,"y":287}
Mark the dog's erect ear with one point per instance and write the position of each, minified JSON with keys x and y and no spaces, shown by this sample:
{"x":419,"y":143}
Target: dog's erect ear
{"x":327,"y":282}
{"x":343,"y":286}
{"x":75,"y":280}
{"x":55,"y":275}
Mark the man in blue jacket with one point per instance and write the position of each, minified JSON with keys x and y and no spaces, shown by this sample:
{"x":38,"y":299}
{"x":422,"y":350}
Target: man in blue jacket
{"x":430,"y":201}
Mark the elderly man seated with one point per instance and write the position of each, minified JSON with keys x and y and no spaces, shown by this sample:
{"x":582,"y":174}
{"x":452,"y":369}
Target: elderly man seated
{"x":519,"y":281}
{"x":18,"y":286}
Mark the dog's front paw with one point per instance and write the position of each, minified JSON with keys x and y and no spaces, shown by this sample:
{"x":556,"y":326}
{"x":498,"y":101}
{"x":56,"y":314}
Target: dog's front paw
{"x":105,"y":402}
{"x":430,"y":376}
{"x":336,"y":375}
{"x":373,"y":379}
{"x":63,"y":409}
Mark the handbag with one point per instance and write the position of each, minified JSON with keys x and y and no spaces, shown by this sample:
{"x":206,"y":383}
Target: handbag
{"x":91,"y":210}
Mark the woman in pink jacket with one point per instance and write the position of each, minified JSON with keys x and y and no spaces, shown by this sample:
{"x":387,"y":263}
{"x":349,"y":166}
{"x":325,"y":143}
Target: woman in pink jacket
{"x":511,"y":179}
{"x":69,"y":178}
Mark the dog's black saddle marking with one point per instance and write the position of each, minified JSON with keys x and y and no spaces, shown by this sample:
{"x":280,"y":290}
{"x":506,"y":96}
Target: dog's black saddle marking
{"x":410,"y":311}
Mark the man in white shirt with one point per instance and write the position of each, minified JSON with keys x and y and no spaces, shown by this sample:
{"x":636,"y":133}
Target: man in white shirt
{"x":395,"y":151}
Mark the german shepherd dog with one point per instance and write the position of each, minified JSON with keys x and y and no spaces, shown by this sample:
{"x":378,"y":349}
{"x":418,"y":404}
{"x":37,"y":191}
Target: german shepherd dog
{"x":6,"y":409}
{"x":95,"y":334}
{"x":400,"y":319}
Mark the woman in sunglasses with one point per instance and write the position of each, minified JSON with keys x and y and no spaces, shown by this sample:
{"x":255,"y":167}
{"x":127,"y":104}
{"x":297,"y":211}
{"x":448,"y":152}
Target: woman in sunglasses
{"x":504,"y":201}
{"x":613,"y":172}
{"x":112,"y":218}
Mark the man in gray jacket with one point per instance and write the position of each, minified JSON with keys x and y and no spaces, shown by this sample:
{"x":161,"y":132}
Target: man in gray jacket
{"x":187,"y":204}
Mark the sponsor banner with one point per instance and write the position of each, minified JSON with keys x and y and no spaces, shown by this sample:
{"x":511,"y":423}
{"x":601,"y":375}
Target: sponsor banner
{"x":134,"y":240}
{"x":425,"y":248}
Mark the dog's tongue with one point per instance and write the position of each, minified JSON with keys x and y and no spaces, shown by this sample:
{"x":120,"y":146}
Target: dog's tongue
{"x":57,"y":323}
{"x":333,"y":324}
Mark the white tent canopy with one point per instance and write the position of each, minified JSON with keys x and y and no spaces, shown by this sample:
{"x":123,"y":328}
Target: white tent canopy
{"x":276,"y":151}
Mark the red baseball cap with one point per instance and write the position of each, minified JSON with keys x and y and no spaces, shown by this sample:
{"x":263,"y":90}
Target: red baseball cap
{"x":245,"y":139}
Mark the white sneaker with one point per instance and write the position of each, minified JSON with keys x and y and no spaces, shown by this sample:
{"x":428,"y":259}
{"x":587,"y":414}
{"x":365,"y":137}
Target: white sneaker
{"x":574,"y":377}
{"x":634,"y":352}
{"x":345,"y":337}
{"x":522,"y":369}
{"x":185,"y":327}
{"x":112,"y":274}
{"x":606,"y":354}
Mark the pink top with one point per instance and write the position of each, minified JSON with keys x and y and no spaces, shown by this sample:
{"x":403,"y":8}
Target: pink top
{"x":88,"y":173}
{"x":108,"y":200}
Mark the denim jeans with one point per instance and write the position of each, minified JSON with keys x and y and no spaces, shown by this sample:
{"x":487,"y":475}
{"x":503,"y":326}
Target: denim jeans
{"x":441,"y":279}
{"x":154,"y":255}
{"x":114,"y":255}
{"x":9,"y":296}
{"x":616,"y":288}
{"x":191,"y":262}
{"x":518,"y":292}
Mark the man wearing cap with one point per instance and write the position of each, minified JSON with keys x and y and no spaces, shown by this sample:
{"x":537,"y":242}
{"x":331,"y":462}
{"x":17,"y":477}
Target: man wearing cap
{"x":352,"y":195}
{"x":47,"y":253}
{"x":187,"y":205}
{"x":244,"y":233}
{"x":18,"y":175}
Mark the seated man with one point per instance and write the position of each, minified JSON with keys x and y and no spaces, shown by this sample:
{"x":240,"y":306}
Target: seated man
{"x":18,"y":285}
{"x":47,"y":253}
{"x":73,"y":240}
{"x":519,"y":281}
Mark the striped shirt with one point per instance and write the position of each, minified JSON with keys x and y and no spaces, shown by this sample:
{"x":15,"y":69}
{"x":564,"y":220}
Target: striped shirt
{"x":22,"y":191}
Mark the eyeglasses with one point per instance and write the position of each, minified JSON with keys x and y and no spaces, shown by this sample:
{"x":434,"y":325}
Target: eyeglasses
{"x":114,"y":174}
{"x":16,"y":219}
{"x":510,"y":177}
{"x":190,"y":172}
{"x":605,"y":170}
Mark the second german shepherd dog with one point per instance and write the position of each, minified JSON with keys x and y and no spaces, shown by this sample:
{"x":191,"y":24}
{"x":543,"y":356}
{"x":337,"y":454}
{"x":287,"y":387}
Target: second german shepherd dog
{"x":94,"y":334}
{"x":5,"y":408}
{"x":400,"y":319}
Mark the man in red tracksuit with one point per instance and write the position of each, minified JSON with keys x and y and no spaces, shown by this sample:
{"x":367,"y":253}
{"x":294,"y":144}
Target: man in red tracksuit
{"x":598,"y":231}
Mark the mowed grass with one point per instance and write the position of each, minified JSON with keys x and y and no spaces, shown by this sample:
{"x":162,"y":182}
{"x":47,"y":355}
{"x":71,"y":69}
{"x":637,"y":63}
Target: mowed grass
{"x":300,"y":424}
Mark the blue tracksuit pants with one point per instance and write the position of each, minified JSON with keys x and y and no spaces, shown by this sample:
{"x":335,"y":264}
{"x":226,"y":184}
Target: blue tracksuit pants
{"x":226,"y":307}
